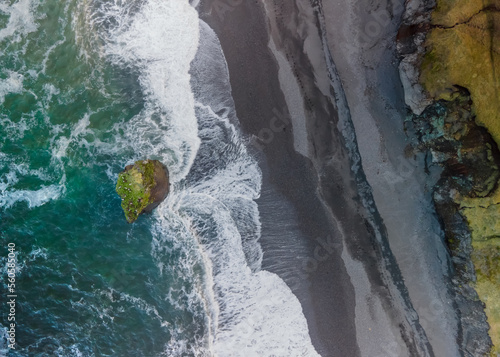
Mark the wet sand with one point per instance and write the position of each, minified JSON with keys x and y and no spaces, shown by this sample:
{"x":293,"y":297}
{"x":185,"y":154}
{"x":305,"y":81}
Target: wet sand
{"x":292,"y":216}
{"x":321,"y":231}
{"x":364,"y":49}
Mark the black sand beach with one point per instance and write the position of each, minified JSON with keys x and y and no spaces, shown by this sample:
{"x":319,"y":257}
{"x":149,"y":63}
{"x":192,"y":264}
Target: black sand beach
{"x":289,"y":185}
{"x":321,"y":229}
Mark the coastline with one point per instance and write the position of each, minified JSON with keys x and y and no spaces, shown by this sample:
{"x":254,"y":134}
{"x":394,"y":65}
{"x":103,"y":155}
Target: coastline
{"x":333,"y":184}
{"x":352,"y":298}
{"x":285,"y":198}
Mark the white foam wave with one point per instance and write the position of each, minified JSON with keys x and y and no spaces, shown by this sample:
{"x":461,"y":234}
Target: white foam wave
{"x":50,"y":91}
{"x":61,"y":145}
{"x":228,"y":174}
{"x":12,"y":84}
{"x":48,"y":52}
{"x":257,"y":313}
{"x":250,"y":312}
{"x":17,"y":170}
{"x":37,"y":253}
{"x":34,"y":198}
{"x":137,"y":302}
{"x":172,"y":237}
{"x":161,"y":40}
{"x":21,"y":19}
{"x":73,"y":352}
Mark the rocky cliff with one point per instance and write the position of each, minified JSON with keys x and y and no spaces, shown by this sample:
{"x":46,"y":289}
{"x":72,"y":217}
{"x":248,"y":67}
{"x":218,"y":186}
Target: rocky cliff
{"x":450,"y":69}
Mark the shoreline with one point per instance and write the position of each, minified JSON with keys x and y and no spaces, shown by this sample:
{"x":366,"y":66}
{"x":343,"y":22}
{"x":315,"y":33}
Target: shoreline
{"x":289,"y":188}
{"x":352,"y":298}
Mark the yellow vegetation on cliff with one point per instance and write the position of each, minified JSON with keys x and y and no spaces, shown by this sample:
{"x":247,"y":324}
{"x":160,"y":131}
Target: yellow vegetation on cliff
{"x":449,"y":12}
{"x":486,"y":259}
{"x":463,"y":49}
{"x":483,"y":217}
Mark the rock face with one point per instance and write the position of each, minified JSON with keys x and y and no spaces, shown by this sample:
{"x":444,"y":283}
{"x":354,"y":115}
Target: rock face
{"x":464,"y":198}
{"x":451,"y":71}
{"x":463,"y":49}
{"x":142,"y":187}
{"x":467,"y":151}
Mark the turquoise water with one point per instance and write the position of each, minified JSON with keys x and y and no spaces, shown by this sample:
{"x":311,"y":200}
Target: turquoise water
{"x":87,"y":87}
{"x":87,"y":280}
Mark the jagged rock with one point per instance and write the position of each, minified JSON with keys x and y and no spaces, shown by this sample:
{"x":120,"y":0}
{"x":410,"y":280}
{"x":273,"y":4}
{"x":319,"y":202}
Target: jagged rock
{"x":415,"y":96}
{"x":466,"y":150}
{"x":142,"y":187}
{"x":449,"y":70}
{"x":473,"y":335}
{"x":410,"y":46}
{"x":462,"y":51}
{"x":467,"y":203}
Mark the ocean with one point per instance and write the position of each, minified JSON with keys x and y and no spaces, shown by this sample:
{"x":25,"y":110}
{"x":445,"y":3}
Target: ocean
{"x":86,"y":88}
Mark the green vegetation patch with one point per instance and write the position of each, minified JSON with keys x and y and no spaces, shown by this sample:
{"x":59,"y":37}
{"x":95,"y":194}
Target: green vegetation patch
{"x":486,"y":259}
{"x":484,"y":222}
{"x":463,"y":50}
{"x":134,"y":187}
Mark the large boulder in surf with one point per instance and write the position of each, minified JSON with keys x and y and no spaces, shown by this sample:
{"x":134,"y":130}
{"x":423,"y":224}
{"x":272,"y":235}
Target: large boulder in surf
{"x":142,"y":187}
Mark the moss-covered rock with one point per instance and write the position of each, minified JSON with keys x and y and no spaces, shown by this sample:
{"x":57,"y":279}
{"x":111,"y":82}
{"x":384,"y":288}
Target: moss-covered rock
{"x":471,"y":162}
{"x":142,"y":187}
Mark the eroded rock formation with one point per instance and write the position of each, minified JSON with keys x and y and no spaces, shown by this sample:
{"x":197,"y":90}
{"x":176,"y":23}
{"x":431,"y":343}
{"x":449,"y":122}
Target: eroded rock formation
{"x":451,"y":71}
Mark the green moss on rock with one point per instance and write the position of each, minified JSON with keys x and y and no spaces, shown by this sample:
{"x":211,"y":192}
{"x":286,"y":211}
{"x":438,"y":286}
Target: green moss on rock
{"x":142,"y":187}
{"x":486,"y":258}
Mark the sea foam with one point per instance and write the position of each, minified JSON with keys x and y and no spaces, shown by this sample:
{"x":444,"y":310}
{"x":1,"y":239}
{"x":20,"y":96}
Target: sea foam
{"x":161,"y":40}
{"x":205,"y":235}
{"x":12,"y":84}
{"x":21,"y":19}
